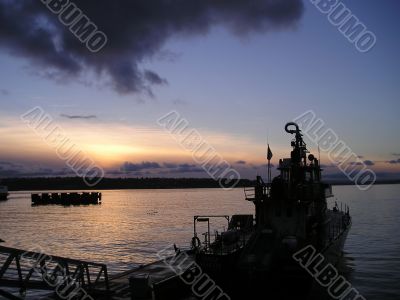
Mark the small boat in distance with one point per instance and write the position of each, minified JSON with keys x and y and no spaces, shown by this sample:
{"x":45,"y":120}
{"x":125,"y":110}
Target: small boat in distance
{"x":3,"y":193}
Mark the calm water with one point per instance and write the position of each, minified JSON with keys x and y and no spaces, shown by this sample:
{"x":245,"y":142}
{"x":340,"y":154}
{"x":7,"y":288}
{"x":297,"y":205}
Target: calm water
{"x":132,"y":225}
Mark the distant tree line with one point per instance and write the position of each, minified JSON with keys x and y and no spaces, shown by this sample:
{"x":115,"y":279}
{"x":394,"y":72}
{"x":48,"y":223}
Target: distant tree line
{"x":76,"y":183}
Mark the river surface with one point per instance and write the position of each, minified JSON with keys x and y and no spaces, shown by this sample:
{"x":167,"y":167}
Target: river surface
{"x":131,"y":226}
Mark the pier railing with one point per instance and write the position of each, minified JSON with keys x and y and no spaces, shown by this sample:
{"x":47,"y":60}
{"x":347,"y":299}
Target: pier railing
{"x":35,"y":270}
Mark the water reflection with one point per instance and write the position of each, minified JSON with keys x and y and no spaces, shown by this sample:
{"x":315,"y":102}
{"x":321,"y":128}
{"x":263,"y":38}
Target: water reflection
{"x":130,"y":226}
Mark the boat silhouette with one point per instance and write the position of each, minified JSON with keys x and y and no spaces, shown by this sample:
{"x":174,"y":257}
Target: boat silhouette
{"x":255,"y":255}
{"x":3,"y":193}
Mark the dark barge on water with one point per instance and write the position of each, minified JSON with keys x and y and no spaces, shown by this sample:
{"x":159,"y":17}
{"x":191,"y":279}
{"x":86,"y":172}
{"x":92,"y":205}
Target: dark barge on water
{"x":3,"y":193}
{"x":66,"y":199}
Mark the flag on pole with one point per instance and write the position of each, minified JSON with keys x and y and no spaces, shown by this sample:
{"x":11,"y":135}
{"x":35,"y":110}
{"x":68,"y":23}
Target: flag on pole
{"x":269,"y":153}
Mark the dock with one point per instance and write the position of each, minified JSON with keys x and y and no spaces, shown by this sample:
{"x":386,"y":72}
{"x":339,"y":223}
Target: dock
{"x":156,"y":280}
{"x":33,"y":270}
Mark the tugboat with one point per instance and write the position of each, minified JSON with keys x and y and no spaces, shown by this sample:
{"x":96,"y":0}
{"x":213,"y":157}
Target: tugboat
{"x":3,"y":193}
{"x":291,"y":212}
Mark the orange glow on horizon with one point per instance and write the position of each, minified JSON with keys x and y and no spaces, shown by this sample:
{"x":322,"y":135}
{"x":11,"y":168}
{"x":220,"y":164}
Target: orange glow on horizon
{"x":110,"y":145}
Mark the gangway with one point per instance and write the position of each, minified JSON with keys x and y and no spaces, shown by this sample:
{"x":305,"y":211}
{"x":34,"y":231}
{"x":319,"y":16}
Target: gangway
{"x":36,"y":270}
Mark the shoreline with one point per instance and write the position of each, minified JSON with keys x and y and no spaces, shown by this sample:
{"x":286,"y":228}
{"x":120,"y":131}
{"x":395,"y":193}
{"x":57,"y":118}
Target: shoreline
{"x":76,"y":183}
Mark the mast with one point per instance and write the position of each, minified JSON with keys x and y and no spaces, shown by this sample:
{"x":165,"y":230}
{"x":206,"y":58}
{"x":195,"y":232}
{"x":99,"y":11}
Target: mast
{"x":298,"y":154}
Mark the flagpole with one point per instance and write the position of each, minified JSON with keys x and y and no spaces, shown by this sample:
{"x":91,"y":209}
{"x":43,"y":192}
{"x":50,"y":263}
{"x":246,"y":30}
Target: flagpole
{"x":269,"y":156}
{"x":269,"y":161}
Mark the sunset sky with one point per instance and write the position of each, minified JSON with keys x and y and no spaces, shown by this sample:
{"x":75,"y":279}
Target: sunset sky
{"x":235,"y":75}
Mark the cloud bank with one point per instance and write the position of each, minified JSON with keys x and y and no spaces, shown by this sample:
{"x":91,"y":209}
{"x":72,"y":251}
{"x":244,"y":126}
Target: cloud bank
{"x":136,"y":30}
{"x":78,"y":116}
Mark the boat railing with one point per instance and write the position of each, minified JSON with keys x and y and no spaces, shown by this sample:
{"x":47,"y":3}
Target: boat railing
{"x":339,"y":206}
{"x":249,"y":193}
{"x":234,"y":236}
{"x":207,"y":235}
{"x":215,"y":244}
{"x":257,"y":192}
{"x":339,"y":220}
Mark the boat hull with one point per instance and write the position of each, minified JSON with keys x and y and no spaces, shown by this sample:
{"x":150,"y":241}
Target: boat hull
{"x":334,"y":251}
{"x":285,"y":279}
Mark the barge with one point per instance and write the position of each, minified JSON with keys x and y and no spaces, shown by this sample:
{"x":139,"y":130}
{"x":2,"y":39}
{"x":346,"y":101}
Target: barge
{"x":3,"y":193}
{"x":66,"y":199}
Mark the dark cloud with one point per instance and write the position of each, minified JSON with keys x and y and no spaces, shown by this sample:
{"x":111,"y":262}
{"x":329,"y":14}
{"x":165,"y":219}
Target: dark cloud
{"x":10,"y":169}
{"x":6,"y":163}
{"x":133,"y":167}
{"x":170,"y":165}
{"x":136,"y":31}
{"x":396,"y":154}
{"x":359,"y":163}
{"x":241,"y":162}
{"x":155,"y":168}
{"x":187,"y":168}
{"x":369,"y":162}
{"x":181,"y":168}
{"x":394,"y":161}
{"x":78,"y":117}
{"x":182,"y":171}
{"x":324,"y":166}
{"x":154,"y":78}
{"x":4,"y":92}
{"x":362,"y":163}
